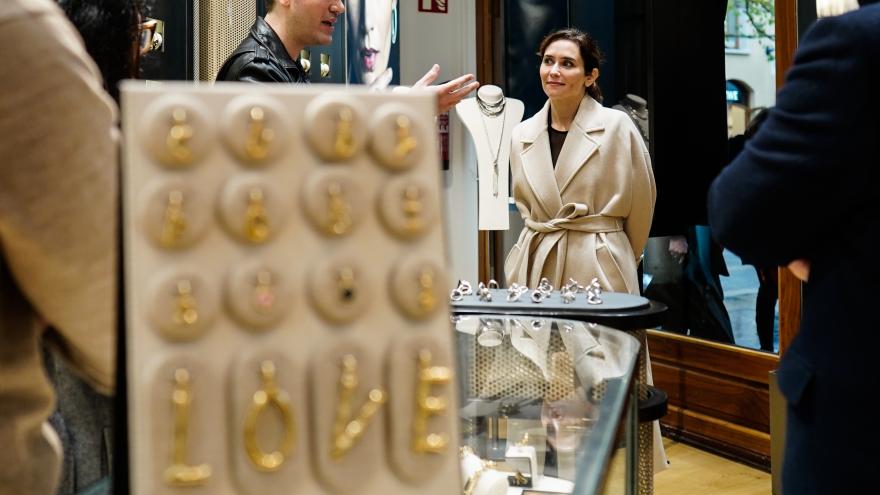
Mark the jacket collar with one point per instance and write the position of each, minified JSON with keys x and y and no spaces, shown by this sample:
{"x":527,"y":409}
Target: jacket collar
{"x":587,"y":119}
{"x":266,"y":36}
{"x":549,"y":183}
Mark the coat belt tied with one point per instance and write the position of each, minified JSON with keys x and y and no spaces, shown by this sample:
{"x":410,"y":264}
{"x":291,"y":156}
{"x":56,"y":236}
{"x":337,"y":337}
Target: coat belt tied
{"x":572,"y":216}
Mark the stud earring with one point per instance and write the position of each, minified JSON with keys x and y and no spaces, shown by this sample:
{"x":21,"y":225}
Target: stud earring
{"x":343,"y":143}
{"x":186,"y":311}
{"x":412,"y":208}
{"x":406,"y":143}
{"x":345,"y":282}
{"x":179,"y":135}
{"x":340,"y":211}
{"x":259,"y":137}
{"x":175,"y":223}
{"x":264,"y":295}
{"x":427,"y":301}
{"x":256,"y":221}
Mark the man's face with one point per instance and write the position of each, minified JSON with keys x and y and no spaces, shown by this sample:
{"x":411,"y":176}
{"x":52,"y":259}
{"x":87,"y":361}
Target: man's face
{"x":312,"y":22}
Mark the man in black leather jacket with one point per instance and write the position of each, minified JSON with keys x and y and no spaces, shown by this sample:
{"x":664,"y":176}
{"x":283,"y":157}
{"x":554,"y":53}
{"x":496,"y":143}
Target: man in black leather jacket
{"x":290,"y":26}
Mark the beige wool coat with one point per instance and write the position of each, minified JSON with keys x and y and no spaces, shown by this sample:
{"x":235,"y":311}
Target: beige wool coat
{"x":590,"y":216}
{"x":58,"y":175}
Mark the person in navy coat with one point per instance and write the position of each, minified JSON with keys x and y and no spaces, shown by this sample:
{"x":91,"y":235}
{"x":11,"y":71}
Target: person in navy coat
{"x":803,"y":193}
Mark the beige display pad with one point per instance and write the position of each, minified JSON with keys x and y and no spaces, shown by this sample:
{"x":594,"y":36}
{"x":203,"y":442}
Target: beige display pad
{"x":285,"y":292}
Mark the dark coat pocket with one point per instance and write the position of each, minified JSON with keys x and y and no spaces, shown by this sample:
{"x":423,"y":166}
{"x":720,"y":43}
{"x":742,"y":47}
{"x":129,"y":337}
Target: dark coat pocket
{"x":795,"y":375}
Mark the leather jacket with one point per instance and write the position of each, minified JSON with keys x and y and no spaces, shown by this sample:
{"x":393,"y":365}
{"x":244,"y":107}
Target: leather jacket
{"x":262,"y":57}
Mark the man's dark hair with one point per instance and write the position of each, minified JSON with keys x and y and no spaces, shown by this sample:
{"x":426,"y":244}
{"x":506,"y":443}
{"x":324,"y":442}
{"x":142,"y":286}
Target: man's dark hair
{"x":269,"y":4}
{"x":111,"y":31}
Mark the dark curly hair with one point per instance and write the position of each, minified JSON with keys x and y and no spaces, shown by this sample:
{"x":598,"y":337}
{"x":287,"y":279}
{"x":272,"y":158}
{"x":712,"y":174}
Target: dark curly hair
{"x":111,"y":31}
{"x":588,"y":47}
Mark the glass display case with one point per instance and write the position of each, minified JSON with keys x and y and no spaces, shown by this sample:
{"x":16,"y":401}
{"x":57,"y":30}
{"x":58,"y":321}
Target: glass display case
{"x":544,"y":403}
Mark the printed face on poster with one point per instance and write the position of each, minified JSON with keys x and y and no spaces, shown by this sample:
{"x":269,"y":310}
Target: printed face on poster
{"x":374,"y":44}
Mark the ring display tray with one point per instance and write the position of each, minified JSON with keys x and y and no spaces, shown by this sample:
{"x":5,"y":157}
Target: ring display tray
{"x":617,"y":310}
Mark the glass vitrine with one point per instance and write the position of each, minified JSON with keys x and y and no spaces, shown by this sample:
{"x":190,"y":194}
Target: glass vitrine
{"x":544,"y":403}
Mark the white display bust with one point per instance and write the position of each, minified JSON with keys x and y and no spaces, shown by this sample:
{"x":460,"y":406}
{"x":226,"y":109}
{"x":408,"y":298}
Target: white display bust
{"x":490,"y":118}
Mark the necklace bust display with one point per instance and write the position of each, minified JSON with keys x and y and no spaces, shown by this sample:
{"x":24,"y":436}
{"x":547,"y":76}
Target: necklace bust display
{"x":489,"y":118}
{"x":492,"y":103}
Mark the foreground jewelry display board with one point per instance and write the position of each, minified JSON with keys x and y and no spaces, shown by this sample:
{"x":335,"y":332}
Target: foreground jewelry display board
{"x":287,"y":326}
{"x":542,"y":400}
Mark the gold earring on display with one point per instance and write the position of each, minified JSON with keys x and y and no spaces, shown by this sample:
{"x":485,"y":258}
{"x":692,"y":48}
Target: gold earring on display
{"x":325,"y":65}
{"x":264,"y":295}
{"x":347,"y":432}
{"x":186,"y":311}
{"x":406,"y":143}
{"x":345,"y":282}
{"x":305,"y":57}
{"x":259,"y":137}
{"x":412,"y":208}
{"x":428,"y":405}
{"x":174,"y":225}
{"x":269,"y":395}
{"x":343,"y":143}
{"x":179,"y":135}
{"x":179,"y":473}
{"x":256,"y":221}
{"x":340,"y":211}
{"x":427,"y":301}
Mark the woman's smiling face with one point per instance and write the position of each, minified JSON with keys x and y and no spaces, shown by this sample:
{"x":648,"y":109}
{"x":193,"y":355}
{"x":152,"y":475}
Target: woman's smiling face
{"x":562,"y":71}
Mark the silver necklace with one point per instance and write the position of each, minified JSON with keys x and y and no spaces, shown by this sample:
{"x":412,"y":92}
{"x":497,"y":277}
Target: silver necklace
{"x":493,"y":110}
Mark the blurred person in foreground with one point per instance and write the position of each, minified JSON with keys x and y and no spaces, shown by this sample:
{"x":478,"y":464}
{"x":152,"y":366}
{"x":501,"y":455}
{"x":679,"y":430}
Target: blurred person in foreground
{"x":803,"y":194}
{"x":57,"y":232}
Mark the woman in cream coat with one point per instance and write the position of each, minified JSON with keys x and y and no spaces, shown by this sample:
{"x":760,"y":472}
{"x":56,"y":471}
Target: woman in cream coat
{"x":588,"y":212}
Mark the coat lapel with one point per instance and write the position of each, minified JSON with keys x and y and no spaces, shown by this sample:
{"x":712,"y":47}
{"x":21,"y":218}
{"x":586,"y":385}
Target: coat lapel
{"x":579,"y":145}
{"x":536,"y":163}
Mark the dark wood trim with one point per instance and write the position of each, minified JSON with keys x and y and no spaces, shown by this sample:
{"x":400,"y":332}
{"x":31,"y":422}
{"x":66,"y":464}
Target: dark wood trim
{"x":485,"y":36}
{"x":718,"y":395}
{"x":789,"y":308}
{"x":786,"y":37}
{"x":485,"y":23}
{"x":719,"y":437}
{"x":789,"y":285}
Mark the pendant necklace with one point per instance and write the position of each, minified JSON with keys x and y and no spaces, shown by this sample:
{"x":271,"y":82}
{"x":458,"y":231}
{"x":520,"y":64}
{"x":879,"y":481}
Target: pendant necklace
{"x":493,"y":110}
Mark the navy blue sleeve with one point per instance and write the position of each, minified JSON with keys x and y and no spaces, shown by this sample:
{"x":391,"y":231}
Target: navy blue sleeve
{"x":796,"y":184}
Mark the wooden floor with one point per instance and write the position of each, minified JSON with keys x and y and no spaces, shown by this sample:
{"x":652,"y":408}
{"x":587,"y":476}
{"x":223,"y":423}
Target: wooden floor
{"x":695,"y":472}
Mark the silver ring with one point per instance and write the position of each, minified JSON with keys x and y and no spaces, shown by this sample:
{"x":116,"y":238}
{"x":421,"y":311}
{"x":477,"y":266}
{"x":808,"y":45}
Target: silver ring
{"x":538,"y":296}
{"x":484,"y":294}
{"x":465,"y":287}
{"x":493,"y":284}
{"x":593,"y":298}
{"x":456,"y":295}
{"x":567,"y":296}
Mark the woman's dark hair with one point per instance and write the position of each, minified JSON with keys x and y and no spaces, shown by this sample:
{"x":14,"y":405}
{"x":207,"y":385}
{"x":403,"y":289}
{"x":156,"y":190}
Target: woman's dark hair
{"x":588,"y":47}
{"x":111,"y":32}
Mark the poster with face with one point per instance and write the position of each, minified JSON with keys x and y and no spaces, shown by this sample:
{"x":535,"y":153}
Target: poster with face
{"x":373,"y":41}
